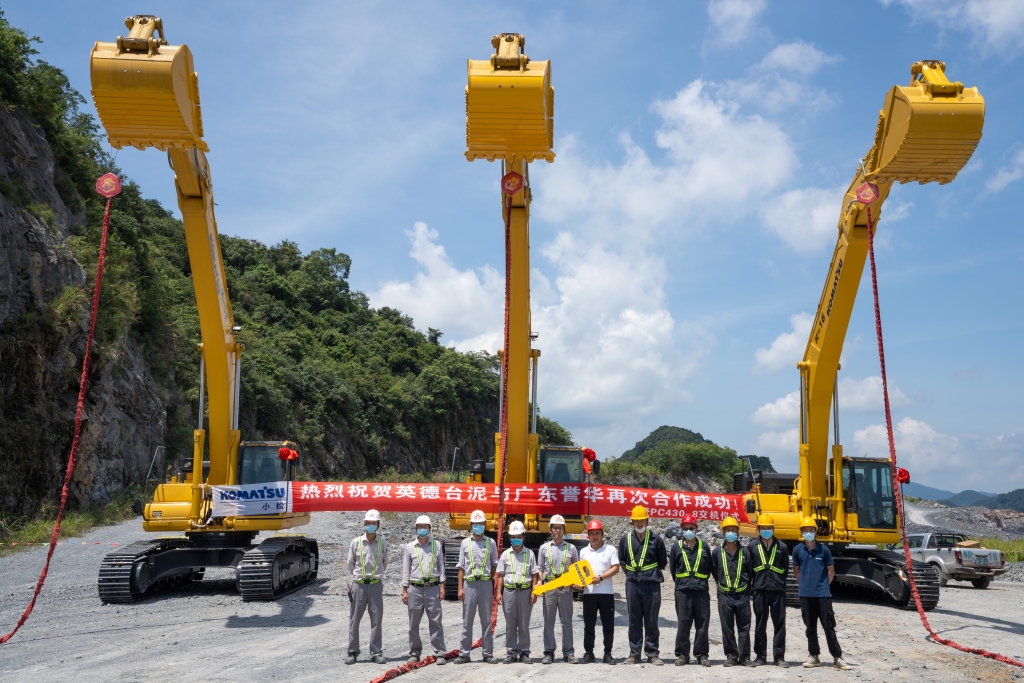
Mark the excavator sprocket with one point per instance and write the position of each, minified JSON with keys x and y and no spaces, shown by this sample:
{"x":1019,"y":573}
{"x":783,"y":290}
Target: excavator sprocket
{"x":276,"y":567}
{"x":125,"y":574}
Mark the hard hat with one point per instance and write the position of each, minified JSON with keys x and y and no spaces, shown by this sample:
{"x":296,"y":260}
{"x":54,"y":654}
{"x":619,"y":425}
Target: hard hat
{"x":557,"y":519}
{"x":595,"y":525}
{"x":729,"y":521}
{"x":765,"y":520}
{"x":807,"y":521}
{"x":639,"y":512}
{"x":516,"y":528}
{"x":688,"y":519}
{"x":371,"y":516}
{"x":477,"y":517}
{"x":423,"y":519}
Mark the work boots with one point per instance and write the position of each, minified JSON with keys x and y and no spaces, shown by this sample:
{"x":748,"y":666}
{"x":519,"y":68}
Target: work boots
{"x":511,"y":659}
{"x":378,"y":659}
{"x":548,"y":659}
{"x":760,"y":661}
{"x":632,"y":659}
{"x":781,"y":663}
{"x":655,"y":660}
{"x":812,"y":662}
{"x":704,"y":661}
{"x":841,"y":665}
{"x":571,"y":659}
{"x":682,"y":661}
{"x":608,"y":659}
{"x":731,"y":660}
{"x":588,"y":658}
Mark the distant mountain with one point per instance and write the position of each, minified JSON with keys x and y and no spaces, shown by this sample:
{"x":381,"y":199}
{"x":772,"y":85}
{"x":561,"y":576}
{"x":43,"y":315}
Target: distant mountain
{"x":663,"y":434}
{"x":760,"y":462}
{"x":967,"y":498}
{"x":926,"y":492}
{"x":1014,"y":500}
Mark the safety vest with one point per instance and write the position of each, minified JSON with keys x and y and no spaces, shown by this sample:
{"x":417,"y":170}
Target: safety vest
{"x":686,"y":561}
{"x":429,"y":576}
{"x":518,"y":575}
{"x":633,"y":566}
{"x":733,"y":586}
{"x":551,"y":565}
{"x":362,"y":562}
{"x":479,"y":574}
{"x":770,"y":562}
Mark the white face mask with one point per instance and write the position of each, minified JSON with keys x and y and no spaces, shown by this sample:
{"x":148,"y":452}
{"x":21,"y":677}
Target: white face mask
{"x":808,"y":536}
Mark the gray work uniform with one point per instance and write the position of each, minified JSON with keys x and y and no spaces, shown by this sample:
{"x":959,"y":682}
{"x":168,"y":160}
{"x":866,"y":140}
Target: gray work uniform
{"x":367,"y":562}
{"x":554,"y":560}
{"x":518,"y":570}
{"x":423,"y":576}
{"x":477,"y":560}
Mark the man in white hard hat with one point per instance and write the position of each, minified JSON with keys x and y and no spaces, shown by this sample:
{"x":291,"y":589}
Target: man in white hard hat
{"x":423,"y":589}
{"x":478,"y":556}
{"x":517,"y":573}
{"x":367,"y":560}
{"x":554,"y":557}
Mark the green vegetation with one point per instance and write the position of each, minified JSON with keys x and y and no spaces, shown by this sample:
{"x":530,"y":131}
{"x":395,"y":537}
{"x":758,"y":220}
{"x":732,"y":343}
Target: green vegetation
{"x":1014,"y":500}
{"x":17,"y":532}
{"x":663,"y":434}
{"x":662,"y":456}
{"x":1013,"y":550}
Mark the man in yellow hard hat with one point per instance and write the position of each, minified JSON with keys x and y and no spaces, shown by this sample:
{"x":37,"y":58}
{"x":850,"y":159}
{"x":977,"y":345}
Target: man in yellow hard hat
{"x":814,"y":570}
{"x":731,"y":568}
{"x":643,"y":554}
{"x":771,"y":564}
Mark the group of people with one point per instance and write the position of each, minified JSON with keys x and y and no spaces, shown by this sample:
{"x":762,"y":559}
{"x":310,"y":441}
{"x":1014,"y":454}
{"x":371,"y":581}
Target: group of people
{"x":748,"y":577}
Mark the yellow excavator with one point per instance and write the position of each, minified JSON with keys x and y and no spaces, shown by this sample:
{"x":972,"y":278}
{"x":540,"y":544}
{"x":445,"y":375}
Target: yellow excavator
{"x":147,"y":95}
{"x":927,"y":131}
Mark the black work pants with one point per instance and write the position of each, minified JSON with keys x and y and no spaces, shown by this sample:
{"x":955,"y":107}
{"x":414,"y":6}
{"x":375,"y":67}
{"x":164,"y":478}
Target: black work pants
{"x":770,"y":603}
{"x":643,"y":601}
{"x":814,"y":610}
{"x":594,"y":604}
{"x":734,"y":613}
{"x":693,"y":610}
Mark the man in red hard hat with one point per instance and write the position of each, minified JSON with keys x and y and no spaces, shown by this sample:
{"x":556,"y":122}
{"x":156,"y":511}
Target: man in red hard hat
{"x":599,"y":597}
{"x":690,"y":564}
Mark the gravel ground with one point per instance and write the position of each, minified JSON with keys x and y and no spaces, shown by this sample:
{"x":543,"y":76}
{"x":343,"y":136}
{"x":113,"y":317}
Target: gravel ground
{"x":1014,"y":572}
{"x":976,"y":522}
{"x":211,"y":632}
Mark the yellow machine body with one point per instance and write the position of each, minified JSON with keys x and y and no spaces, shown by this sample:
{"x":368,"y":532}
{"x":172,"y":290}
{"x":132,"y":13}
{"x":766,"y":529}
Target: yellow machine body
{"x":147,"y":95}
{"x":926,"y":132}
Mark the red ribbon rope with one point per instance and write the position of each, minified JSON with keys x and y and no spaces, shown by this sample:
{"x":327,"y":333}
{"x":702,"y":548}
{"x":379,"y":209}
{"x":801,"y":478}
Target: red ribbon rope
{"x":83,"y":384}
{"x":895,"y":474}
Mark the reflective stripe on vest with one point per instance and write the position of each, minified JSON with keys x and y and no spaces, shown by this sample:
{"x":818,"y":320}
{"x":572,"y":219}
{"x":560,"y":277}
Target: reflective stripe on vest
{"x":770,"y":561}
{"x":518,"y":579}
{"x":732,"y":586}
{"x":479,"y":575}
{"x":433,"y":561}
{"x":362,"y":560}
{"x":632,"y":566}
{"x":551,"y":565}
{"x":686,"y":561}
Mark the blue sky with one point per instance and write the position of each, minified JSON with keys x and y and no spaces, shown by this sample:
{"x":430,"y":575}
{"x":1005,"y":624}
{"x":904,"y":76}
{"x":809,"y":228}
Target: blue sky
{"x":682,"y":235}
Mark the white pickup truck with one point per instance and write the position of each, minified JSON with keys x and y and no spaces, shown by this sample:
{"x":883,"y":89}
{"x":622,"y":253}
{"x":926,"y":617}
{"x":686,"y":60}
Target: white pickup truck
{"x":956,"y":557}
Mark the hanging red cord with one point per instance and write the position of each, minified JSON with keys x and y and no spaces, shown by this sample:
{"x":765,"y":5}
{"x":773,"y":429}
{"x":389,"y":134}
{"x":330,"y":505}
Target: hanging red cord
{"x":896,"y":472}
{"x":108,"y":185}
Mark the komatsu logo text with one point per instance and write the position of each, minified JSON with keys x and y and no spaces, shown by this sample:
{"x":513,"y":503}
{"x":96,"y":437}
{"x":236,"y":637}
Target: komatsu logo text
{"x":831,"y":299}
{"x":266,"y":492}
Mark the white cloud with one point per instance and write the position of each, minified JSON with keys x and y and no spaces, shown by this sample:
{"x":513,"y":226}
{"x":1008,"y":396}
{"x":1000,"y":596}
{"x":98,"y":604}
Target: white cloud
{"x":780,"y":444}
{"x":1010,"y":173}
{"x":734,"y":20}
{"x":787,"y":348}
{"x":997,"y":24}
{"x":896,"y":211}
{"x":801,"y":57}
{"x":784,"y":410}
{"x":865,"y":395}
{"x":804,"y":219}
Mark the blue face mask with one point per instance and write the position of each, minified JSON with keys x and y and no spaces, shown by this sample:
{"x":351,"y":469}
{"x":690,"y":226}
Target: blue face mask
{"x":516,"y":542}
{"x":731,"y":536}
{"x":478,"y":529}
{"x":689,"y":534}
{"x":423,"y":532}
{"x":808,"y":536}
{"x":767,"y":533}
{"x":371,"y":528}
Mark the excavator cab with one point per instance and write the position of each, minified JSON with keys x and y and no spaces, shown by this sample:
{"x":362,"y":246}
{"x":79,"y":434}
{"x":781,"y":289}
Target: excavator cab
{"x":867,"y":494}
{"x":259,"y":462}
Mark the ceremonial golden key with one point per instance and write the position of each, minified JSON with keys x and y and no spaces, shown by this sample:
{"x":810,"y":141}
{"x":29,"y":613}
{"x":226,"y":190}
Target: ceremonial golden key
{"x":578,"y":574}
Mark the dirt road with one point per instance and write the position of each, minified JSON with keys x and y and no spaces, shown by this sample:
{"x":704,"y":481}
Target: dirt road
{"x":209,"y":633}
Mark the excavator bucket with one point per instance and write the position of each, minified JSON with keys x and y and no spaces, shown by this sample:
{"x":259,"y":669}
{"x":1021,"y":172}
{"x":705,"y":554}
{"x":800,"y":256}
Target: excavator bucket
{"x":927,"y":131}
{"x":146,"y":91}
{"x":509,"y":104}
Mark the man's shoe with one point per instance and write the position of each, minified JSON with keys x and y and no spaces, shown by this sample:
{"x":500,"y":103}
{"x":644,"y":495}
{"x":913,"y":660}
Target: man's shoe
{"x":413,"y":659}
{"x":704,"y":661}
{"x":782,"y":663}
{"x":490,"y":659}
{"x":571,"y":659}
{"x":730,"y":661}
{"x":608,"y":659}
{"x":682,"y":661}
{"x":548,"y":659}
{"x":524,"y":658}
{"x":632,"y":659}
{"x":655,"y":660}
{"x":511,"y":659}
{"x":812,"y":662}
{"x":841,"y":665}
{"x":588,"y":658}
{"x":746,"y":662}
{"x":760,"y":661}
{"x":440,"y":660}
{"x":351,"y":659}
{"x":378,"y":659}
{"x":461,"y":659}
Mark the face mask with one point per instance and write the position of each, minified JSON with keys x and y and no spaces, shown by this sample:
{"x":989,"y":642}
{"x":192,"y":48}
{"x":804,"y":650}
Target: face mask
{"x":478,"y":529}
{"x":808,"y":536}
{"x":517,"y":542}
{"x":689,"y":534}
{"x":731,"y":536}
{"x":767,"y":533}
{"x":371,"y":528}
{"x":423,"y":533}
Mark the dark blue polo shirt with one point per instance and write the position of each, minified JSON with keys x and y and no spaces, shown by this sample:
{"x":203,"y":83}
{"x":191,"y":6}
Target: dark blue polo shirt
{"x":814,"y":566}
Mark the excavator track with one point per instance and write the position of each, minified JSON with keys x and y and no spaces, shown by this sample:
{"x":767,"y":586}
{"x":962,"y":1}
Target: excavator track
{"x":120,"y":571}
{"x":880,"y":575}
{"x":276,"y":567}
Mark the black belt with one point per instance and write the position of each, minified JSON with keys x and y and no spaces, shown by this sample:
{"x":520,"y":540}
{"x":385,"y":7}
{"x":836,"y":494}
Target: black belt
{"x":425,"y":584}
{"x":517,"y":588}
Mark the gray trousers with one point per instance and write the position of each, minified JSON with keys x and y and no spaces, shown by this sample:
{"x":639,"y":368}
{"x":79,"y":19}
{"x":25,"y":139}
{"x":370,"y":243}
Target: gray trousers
{"x":425,"y":600}
{"x":558,"y":602}
{"x":517,"y":621}
{"x":364,"y":597}
{"x":477,"y":603}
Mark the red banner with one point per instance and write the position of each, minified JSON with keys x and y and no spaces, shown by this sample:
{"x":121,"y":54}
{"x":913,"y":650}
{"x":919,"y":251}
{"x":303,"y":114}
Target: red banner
{"x":565,"y":499}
